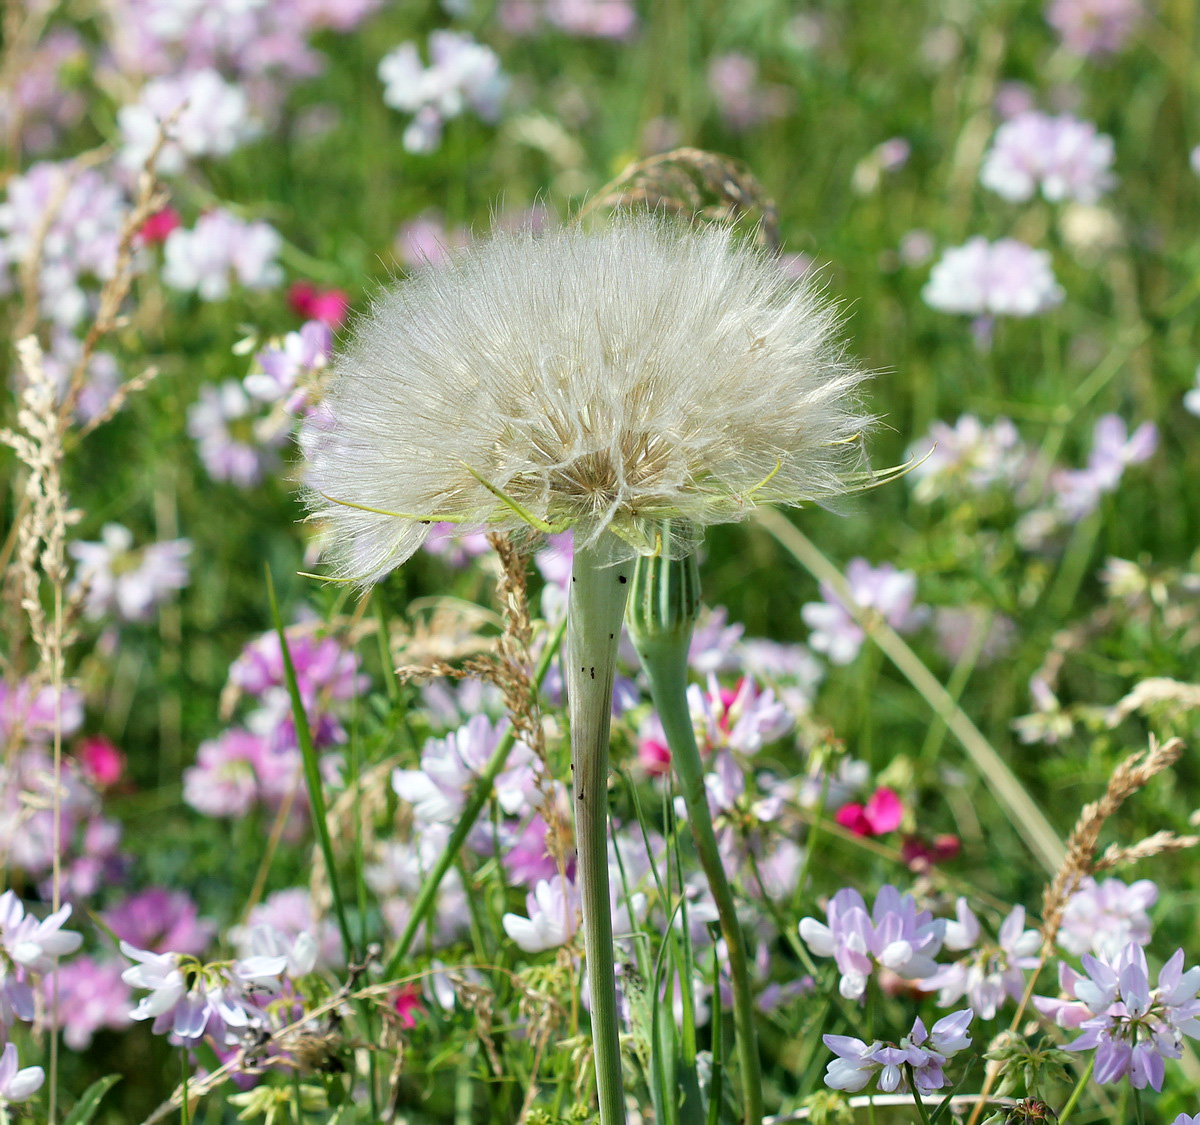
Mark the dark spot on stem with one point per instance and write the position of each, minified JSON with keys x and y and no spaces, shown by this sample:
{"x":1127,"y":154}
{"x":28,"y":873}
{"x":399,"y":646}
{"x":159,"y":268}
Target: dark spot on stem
{"x":622,"y":579}
{"x":610,"y":636}
{"x":593,"y":671}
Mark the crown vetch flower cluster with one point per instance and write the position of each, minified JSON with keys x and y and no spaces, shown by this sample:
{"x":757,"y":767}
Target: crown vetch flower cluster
{"x":989,"y":972}
{"x":926,"y":1051}
{"x":1065,"y":157}
{"x":895,"y":935}
{"x":1132,"y":1027}
{"x":604,"y":381}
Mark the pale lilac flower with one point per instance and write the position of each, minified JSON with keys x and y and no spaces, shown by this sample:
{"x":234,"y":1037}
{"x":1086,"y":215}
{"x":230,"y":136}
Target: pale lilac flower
{"x":601,"y":19}
{"x":219,"y":249}
{"x":284,"y":368}
{"x":1078,"y":491}
{"x":30,"y":715}
{"x":223,"y":782}
{"x":1003,"y":278}
{"x":791,"y":669}
{"x":40,"y":103}
{"x":927,"y":1052}
{"x":102,"y":376}
{"x":91,"y":996}
{"x":1187,"y":1119}
{"x":81,"y":241}
{"x":916,"y":247}
{"x":127,"y":583}
{"x":222,"y":422}
{"x":265,"y":953}
{"x":34,"y":944}
{"x":884,"y":590}
{"x":159,"y":919}
{"x":989,"y":972}
{"x":1103,"y":918}
{"x":1133,"y":1027}
{"x":461,"y":73}
{"x":553,"y":917}
{"x":1013,"y":99}
{"x":1065,"y":157}
{"x":969,"y":454}
{"x":896,"y":936}
{"x":397,"y":875}
{"x":426,"y":241}
{"x":957,"y":628}
{"x":742,"y":101}
{"x":18,"y":1085}
{"x":713,"y":643}
{"x":1094,"y":27}
{"x":213,"y":120}
{"x":744,"y":719}
{"x":457,"y":549}
{"x":289,"y":914}
{"x":450,"y":768}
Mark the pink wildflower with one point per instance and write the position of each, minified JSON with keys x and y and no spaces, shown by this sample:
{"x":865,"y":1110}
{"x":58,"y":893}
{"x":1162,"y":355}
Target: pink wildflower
{"x":329,"y":306}
{"x":882,"y":814}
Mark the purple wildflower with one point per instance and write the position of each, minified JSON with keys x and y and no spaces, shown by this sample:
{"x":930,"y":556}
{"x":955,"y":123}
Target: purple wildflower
{"x":989,"y":972}
{"x":451,"y":766}
{"x":883,"y":589}
{"x":91,"y":996}
{"x":896,"y":936}
{"x":223,"y":425}
{"x":968,"y":455}
{"x":159,"y":919}
{"x":927,"y":1052}
{"x":1132,"y":1027}
{"x":553,"y":916}
{"x":18,"y":1085}
{"x":285,"y":368}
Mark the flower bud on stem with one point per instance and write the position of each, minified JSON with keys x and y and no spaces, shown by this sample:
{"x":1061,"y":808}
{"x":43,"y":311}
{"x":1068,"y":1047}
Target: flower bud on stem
{"x":596,"y":610}
{"x":665,"y":603}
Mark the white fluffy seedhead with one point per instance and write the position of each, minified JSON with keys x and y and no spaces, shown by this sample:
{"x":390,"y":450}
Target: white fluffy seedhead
{"x":599,"y":380}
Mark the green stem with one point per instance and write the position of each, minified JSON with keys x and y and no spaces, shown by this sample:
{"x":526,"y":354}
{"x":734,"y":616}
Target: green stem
{"x":1077,"y":1092}
{"x":596,"y":609}
{"x":479,"y":797}
{"x":662,"y":633}
{"x":912,"y":1082}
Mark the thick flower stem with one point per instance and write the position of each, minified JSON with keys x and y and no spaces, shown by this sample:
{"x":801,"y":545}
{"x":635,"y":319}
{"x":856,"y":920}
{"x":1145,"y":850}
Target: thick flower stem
{"x":667,"y":596}
{"x":596,"y":611}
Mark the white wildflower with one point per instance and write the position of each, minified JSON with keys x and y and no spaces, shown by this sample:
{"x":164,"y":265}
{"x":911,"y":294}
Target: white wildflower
{"x":601,"y":381}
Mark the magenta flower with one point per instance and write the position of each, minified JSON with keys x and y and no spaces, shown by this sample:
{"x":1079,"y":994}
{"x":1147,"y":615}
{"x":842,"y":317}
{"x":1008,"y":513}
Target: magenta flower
{"x":882,"y":813}
{"x":159,"y":919}
{"x":223,"y":782}
{"x":743,"y":719}
{"x":329,"y":306}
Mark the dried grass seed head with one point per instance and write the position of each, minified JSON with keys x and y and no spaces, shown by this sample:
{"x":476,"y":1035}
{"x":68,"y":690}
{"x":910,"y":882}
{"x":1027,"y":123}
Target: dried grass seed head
{"x":596,"y":380}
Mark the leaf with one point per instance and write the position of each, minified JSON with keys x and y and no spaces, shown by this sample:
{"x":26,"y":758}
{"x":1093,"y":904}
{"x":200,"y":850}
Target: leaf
{"x":85,"y":1108}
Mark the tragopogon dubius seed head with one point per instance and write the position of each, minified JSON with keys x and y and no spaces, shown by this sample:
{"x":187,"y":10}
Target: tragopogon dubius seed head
{"x":602,"y":381}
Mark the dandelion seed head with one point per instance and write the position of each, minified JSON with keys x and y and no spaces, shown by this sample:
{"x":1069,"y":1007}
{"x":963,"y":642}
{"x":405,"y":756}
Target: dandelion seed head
{"x":594,"y":380}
